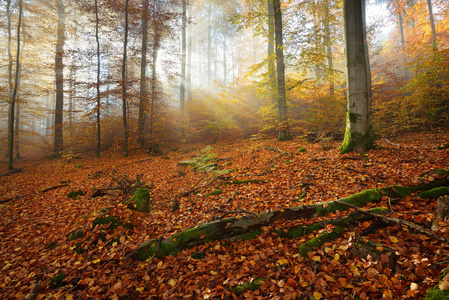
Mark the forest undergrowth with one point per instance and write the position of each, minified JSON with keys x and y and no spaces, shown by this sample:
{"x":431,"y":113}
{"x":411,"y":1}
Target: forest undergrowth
{"x":52,"y":237}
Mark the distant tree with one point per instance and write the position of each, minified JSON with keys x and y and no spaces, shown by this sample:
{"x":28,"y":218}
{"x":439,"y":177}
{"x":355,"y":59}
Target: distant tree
{"x":124,"y":99}
{"x":359,"y":134}
{"x":183,"y":55}
{"x":97,"y":39}
{"x":143,"y":80}
{"x":16,"y":84}
{"x":59,"y":71}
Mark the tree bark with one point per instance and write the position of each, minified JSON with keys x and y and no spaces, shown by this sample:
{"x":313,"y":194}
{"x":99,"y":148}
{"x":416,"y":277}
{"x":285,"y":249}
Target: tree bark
{"x":271,"y":54}
{"x":328,"y":40}
{"x":14,"y":93}
{"x":97,"y":38}
{"x":432,"y":24}
{"x":359,"y":135}
{"x":124,"y":99}
{"x":284,"y":132}
{"x":183,"y":57}
{"x":209,"y":45}
{"x":143,"y":80}
{"x":59,"y":71}
{"x":189,"y":55}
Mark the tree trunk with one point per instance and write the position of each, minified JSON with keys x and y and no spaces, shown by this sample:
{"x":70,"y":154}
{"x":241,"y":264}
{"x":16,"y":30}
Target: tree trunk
{"x":16,"y":131}
{"x":359,"y":135}
{"x":183,"y":57}
{"x":14,"y":93}
{"x":271,"y":55}
{"x":59,"y":68}
{"x":209,"y":45}
{"x":143,"y":79}
{"x":284,"y":132}
{"x":97,"y":38}
{"x":432,"y":24}
{"x":124,"y":104}
{"x":328,"y":39}
{"x":225,"y":79}
{"x":189,"y":56}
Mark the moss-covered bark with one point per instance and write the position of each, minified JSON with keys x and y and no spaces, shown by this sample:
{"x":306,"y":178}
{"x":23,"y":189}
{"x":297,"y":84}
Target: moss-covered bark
{"x":247,"y":226}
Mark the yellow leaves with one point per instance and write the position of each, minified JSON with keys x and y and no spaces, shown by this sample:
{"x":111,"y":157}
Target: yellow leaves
{"x":317,"y":295}
{"x":96,"y":261}
{"x":393,"y":239}
{"x":140,"y":289}
{"x":172,"y":282}
{"x":337,"y":256}
{"x":282,"y":261}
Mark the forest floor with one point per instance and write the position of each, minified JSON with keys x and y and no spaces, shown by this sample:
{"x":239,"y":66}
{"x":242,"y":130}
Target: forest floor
{"x":34,"y":230}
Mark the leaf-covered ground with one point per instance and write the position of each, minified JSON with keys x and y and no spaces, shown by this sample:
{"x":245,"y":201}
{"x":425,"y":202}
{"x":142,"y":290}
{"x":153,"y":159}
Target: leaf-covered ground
{"x":35,"y":229}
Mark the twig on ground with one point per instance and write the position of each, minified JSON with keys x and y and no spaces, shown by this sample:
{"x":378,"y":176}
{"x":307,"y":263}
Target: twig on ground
{"x":400,"y":222}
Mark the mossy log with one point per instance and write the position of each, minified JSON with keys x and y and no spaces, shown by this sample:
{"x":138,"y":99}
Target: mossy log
{"x":248,"y":226}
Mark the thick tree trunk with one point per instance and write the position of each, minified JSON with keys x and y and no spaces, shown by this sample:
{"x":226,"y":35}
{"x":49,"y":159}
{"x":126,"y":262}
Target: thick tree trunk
{"x":284,"y":132}
{"x":14,"y":93}
{"x":17,"y":131}
{"x":183,"y":57}
{"x":59,"y":71}
{"x":124,"y":99}
{"x":189,"y":55}
{"x":248,"y":227}
{"x":359,"y":135}
{"x":97,"y":38}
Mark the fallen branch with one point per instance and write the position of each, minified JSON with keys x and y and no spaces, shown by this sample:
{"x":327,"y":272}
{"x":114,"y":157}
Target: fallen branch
{"x":13,"y":198}
{"x":35,"y":291}
{"x":54,"y":187}
{"x":251,"y":225}
{"x":277,"y":150}
{"x":11,"y":172}
{"x":397,"y":145}
{"x":400,"y":222}
{"x":201,"y":187}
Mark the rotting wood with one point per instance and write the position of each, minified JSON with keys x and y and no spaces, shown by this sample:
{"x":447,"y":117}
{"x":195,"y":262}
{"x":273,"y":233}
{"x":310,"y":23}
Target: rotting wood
{"x":276,"y":150}
{"x":35,"y":291}
{"x":13,"y":171}
{"x":43,"y":191}
{"x":154,"y":254}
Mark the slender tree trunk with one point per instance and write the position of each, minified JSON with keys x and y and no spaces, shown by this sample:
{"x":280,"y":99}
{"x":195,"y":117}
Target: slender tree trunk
{"x":14,"y":96}
{"x":359,"y":135}
{"x":59,"y":67}
{"x":432,"y":24}
{"x":284,"y":132}
{"x":327,"y":32}
{"x":10,"y":62}
{"x":16,"y":131}
{"x":153,"y":84}
{"x":366,"y":50}
{"x":401,"y":31}
{"x":143,"y":75}
{"x":124,"y":104}
{"x":183,"y":57}
{"x":97,"y":38}
{"x":271,"y":54}
{"x":189,"y":55}
{"x":225,"y":79}
{"x":209,"y":46}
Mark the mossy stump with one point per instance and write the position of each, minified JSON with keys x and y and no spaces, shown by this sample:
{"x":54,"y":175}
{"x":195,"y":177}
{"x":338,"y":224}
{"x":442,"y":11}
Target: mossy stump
{"x":140,"y":201}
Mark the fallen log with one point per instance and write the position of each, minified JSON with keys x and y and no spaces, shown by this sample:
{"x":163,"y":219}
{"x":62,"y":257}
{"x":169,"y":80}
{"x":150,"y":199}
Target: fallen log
{"x":11,"y":172}
{"x":234,"y":227}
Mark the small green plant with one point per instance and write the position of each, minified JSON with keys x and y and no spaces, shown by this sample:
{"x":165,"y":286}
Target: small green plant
{"x":57,"y":281}
{"x":248,"y":286}
{"x":79,"y":166}
{"x":75,"y":194}
{"x":301,"y":150}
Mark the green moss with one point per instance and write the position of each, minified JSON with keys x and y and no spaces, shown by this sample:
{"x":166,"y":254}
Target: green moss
{"x":359,"y":200}
{"x":57,"y":281}
{"x":302,"y":149}
{"x":140,"y":201}
{"x":434,"y":193}
{"x":106,"y":219}
{"x":436,"y":294}
{"x":198,"y":255}
{"x":213,"y":193}
{"x":75,"y":234}
{"x":75,"y":194}
{"x":247,"y":236}
{"x":443,"y":146}
{"x":444,"y":273}
{"x":318,"y":241}
{"x":52,"y":245}
{"x":248,"y":286}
